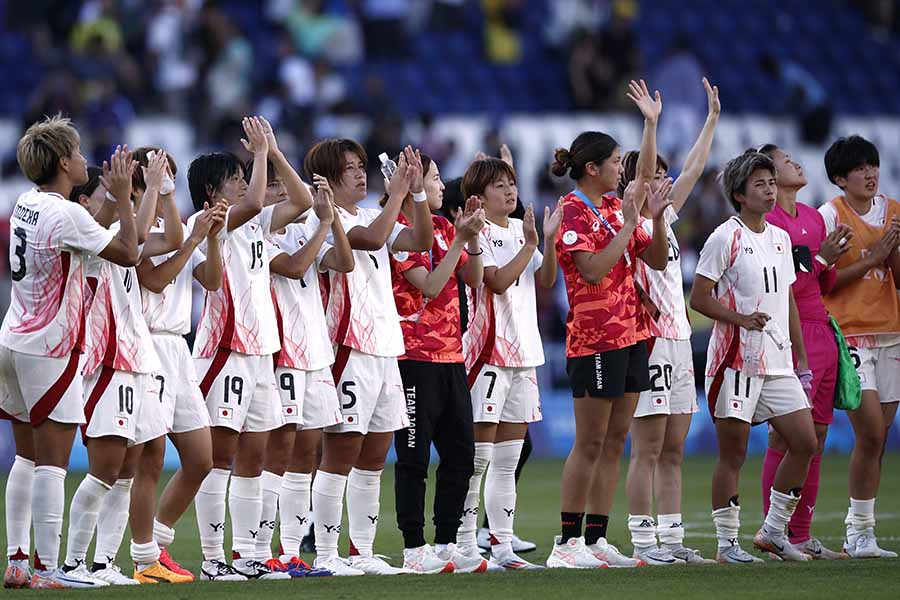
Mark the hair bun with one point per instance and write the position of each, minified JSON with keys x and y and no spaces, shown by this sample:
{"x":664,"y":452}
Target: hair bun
{"x":562,"y":162}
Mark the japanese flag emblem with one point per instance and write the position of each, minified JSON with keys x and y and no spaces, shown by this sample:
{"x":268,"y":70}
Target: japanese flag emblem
{"x":779,"y":248}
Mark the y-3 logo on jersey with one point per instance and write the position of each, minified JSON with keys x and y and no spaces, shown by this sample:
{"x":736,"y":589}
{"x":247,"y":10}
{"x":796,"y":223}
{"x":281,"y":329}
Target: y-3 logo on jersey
{"x":497,"y":243}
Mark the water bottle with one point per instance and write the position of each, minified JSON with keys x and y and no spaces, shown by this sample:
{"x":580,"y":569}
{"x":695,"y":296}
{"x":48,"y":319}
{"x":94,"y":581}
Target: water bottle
{"x":753,"y":347}
{"x":777,"y":335}
{"x":388,"y":166}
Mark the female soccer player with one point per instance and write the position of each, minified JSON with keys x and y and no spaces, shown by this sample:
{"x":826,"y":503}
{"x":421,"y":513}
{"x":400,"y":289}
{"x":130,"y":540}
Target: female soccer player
{"x":503,"y":348}
{"x":599,"y":244}
{"x":434,"y":381}
{"x":42,"y":335}
{"x":365,"y":328}
{"x":868,"y":275}
{"x":743,"y":282}
{"x":663,"y":414}
{"x":236,"y":337}
{"x":814,"y":255}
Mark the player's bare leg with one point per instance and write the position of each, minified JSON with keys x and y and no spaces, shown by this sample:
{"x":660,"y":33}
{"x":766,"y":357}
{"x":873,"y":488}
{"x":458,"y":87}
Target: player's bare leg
{"x":647,"y":436}
{"x":732,"y":436}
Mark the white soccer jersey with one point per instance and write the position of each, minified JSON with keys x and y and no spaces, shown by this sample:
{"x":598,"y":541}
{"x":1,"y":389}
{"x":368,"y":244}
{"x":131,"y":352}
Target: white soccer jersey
{"x":240,"y":315}
{"x":665,"y":287}
{"x":754,"y":273}
{"x":49,"y":240}
{"x":503,"y":330}
{"x":117,"y":334}
{"x":298,"y":307}
{"x":170,"y":310}
{"x":361,"y":312}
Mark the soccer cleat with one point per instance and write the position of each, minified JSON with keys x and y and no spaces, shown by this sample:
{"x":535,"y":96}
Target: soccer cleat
{"x":866,"y":546}
{"x":113,"y":575}
{"x":735,"y":555}
{"x":465,"y":560}
{"x":425,"y":561}
{"x":778,"y":544}
{"x":219,"y":570}
{"x":483,"y":538}
{"x":18,"y":575}
{"x":817,"y":551}
{"x":375,"y":565}
{"x":295,"y":564}
{"x":253,"y":569}
{"x":156,"y":573}
{"x":657,"y":557}
{"x":519,"y":546}
{"x":338,"y":566}
{"x":690,"y":556}
{"x":59,"y":579}
{"x":508,"y":561}
{"x":166,"y":560}
{"x":609,"y":554}
{"x":573,"y":554}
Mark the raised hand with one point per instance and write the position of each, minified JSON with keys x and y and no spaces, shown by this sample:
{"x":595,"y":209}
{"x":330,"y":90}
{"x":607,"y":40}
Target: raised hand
{"x":116,"y":174}
{"x":218,"y":213}
{"x":270,"y":134}
{"x":880,"y":250}
{"x":469,"y":224}
{"x":659,"y":200}
{"x":255,"y":143}
{"x":712,"y":98}
{"x":202,"y":224}
{"x":528,"y":228}
{"x":416,"y":176}
{"x":630,"y":212}
{"x":552,"y":221}
{"x":155,"y":171}
{"x":473,"y":203}
{"x":506,"y":155}
{"x":322,"y":200}
{"x":399,"y":182}
{"x":650,"y":106}
{"x":831,"y":248}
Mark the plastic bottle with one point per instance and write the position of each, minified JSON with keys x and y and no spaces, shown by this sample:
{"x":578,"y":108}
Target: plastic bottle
{"x":388,"y":166}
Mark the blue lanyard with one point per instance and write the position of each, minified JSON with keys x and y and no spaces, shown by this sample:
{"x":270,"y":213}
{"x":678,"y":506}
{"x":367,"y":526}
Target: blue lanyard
{"x":602,"y":219}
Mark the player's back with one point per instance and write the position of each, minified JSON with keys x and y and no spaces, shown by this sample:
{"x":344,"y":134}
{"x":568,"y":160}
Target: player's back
{"x":50,"y":234}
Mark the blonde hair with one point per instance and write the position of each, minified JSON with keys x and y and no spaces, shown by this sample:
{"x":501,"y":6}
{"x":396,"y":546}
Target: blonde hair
{"x":43,"y":145}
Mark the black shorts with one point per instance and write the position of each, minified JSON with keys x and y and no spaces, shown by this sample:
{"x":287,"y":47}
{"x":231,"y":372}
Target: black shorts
{"x":610,"y":374}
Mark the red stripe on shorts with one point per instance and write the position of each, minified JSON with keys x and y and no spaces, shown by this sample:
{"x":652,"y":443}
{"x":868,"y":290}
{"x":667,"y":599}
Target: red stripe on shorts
{"x":215,"y":367}
{"x":51,"y":397}
{"x":719,"y":377}
{"x":340,"y":362}
{"x":106,"y":375}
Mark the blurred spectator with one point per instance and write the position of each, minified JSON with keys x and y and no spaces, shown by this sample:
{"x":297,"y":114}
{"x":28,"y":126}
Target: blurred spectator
{"x":503,"y":30}
{"x":230,"y":70}
{"x":320,"y":34}
{"x":569,"y":17}
{"x":384,"y":27}
{"x":447,"y":15}
{"x":106,"y":115}
{"x":599,"y":65}
{"x":678,"y":77}
{"x":167,"y":31}
{"x":802,"y":96}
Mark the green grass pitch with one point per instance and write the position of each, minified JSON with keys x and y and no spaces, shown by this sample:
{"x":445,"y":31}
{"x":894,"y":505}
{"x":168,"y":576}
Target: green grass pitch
{"x":537,"y":519}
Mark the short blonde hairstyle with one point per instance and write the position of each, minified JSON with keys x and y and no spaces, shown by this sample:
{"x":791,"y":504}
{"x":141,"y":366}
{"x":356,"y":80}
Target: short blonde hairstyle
{"x":43,"y":145}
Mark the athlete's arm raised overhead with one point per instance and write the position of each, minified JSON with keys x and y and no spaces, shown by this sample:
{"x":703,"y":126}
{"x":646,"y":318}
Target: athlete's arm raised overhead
{"x":252,"y":202}
{"x":650,"y":107}
{"x":299,"y":199}
{"x":468,"y":226}
{"x":657,"y":253}
{"x":696,"y":158}
{"x":546,"y":273}
{"x":157,"y":277}
{"x":116,"y":178}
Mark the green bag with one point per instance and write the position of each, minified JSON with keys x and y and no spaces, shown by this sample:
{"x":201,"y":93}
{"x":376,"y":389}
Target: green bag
{"x":847,"y":390}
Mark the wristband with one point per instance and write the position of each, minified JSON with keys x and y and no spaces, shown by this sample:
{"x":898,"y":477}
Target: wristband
{"x":111,"y":198}
{"x":821,"y":260}
{"x":479,"y":253}
{"x":420,"y":196}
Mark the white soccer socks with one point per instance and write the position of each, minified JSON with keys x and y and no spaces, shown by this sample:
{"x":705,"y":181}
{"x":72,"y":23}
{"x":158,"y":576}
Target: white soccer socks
{"x":500,"y":492}
{"x":465,"y":537}
{"x":727,"y":521}
{"x":210,"y":506}
{"x":18,"y":509}
{"x":781,"y":507}
{"x":48,"y":503}
{"x":83,"y":514}
{"x":363,"y":505}
{"x":293,"y":506}
{"x":271,"y":488}
{"x":112,"y":521}
{"x":670,"y":530}
{"x":163,"y":535}
{"x":860,"y":516}
{"x":328,"y":498}
{"x":245,"y":508}
{"x":643,"y":531}
{"x":144,"y":555}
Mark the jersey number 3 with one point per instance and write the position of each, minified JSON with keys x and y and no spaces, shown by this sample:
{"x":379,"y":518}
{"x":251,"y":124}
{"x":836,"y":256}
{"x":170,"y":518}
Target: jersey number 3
{"x":19,"y":273}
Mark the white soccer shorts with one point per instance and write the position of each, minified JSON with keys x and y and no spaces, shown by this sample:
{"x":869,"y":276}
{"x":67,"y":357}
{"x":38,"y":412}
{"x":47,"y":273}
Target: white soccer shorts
{"x":123,"y":404}
{"x":36,"y":388}
{"x":507,"y":394}
{"x":879,"y":370}
{"x":370,"y":392}
{"x":184,"y":408}
{"x":308,"y":398}
{"x":672,"y":390}
{"x":754,"y":399}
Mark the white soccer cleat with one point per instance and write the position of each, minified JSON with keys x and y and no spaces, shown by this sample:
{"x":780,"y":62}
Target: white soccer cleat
{"x":337,"y":565}
{"x":254,"y":569}
{"x":510,"y":562}
{"x":735,"y":555}
{"x":573,"y":555}
{"x":113,"y":575}
{"x":657,"y":557}
{"x":520,"y":546}
{"x":425,"y":561}
{"x":219,"y":570}
{"x":465,"y":560}
{"x":375,"y":565}
{"x":778,"y":544}
{"x":609,"y":554}
{"x":18,"y":574}
{"x":690,"y":556}
{"x":82,"y":573}
{"x":484,"y":538}
{"x":815,"y":550}
{"x":59,"y":579}
{"x":866,"y":546}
